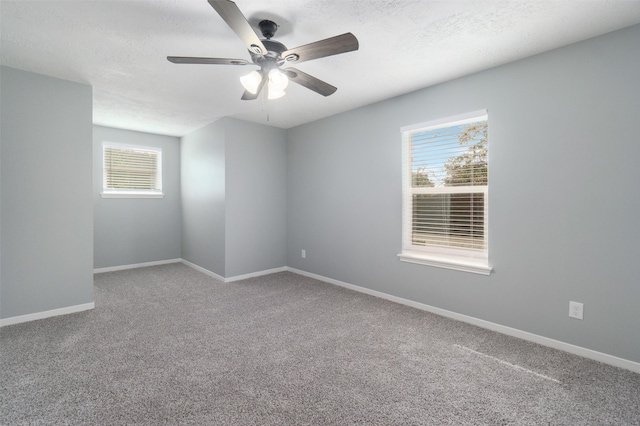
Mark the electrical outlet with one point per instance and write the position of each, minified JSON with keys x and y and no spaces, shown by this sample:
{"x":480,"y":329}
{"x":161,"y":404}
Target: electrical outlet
{"x":576,"y":310}
{"x":303,"y":254}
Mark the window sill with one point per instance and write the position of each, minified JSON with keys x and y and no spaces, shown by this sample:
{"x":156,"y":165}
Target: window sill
{"x":129,"y":195}
{"x":465,"y":264}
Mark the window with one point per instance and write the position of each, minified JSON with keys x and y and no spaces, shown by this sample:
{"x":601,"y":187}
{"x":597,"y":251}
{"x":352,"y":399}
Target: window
{"x":131,"y":171}
{"x":444,"y":197}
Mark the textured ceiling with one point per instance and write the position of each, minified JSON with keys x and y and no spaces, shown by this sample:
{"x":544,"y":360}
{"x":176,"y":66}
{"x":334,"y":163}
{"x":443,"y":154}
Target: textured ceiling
{"x":120,"y":48}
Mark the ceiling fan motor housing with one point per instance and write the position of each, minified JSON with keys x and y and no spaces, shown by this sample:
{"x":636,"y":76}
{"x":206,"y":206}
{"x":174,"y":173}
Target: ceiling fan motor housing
{"x":273,"y":57}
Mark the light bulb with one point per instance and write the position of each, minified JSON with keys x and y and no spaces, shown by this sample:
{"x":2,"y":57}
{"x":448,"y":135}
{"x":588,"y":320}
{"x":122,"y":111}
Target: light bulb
{"x":278,"y":80}
{"x":251,"y":81}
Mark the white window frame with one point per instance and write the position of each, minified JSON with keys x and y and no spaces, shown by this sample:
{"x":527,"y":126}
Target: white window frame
{"x":475,"y":261}
{"x":132,"y":193}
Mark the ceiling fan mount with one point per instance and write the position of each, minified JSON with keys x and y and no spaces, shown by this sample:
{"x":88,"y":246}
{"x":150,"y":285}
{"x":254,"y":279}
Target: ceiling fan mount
{"x":270,"y":55}
{"x":268,"y":28}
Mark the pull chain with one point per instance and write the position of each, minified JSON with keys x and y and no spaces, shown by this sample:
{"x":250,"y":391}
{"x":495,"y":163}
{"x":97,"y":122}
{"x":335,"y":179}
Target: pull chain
{"x":265,"y":104}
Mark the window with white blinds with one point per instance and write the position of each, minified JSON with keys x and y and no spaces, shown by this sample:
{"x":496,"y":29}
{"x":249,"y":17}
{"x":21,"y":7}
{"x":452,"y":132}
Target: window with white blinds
{"x":131,"y":171}
{"x":445,"y":187}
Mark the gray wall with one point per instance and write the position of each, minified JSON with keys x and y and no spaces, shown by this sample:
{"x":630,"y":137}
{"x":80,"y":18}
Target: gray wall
{"x":255,"y":197}
{"x":203,"y":197}
{"x":137,"y":230}
{"x":233,"y":197}
{"x":563,"y":195}
{"x":46,"y":220}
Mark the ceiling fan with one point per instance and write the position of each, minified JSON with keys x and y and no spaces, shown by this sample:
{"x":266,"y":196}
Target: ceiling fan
{"x":270,"y":55}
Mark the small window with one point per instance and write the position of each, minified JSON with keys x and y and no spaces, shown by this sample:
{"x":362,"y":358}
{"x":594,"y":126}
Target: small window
{"x":445,"y":188}
{"x":131,"y":171}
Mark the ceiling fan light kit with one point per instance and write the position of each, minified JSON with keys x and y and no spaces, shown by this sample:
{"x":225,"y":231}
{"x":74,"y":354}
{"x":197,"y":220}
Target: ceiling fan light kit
{"x":270,"y":55}
{"x":277,"y":82}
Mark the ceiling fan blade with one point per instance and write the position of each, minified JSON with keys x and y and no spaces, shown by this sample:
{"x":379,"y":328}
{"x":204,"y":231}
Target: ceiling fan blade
{"x":331,"y":46}
{"x":248,"y":96}
{"x":213,"y":61}
{"x":239,"y":24}
{"x":310,"y":82}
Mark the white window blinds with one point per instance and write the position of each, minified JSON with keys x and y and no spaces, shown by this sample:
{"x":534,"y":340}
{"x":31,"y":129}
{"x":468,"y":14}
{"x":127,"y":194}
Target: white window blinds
{"x":132,"y":169}
{"x":445,"y":186}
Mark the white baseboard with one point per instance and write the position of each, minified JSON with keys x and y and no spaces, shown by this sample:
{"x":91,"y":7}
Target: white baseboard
{"x":194,"y":266}
{"x":545,"y":341}
{"x":237,"y":277}
{"x":47,"y":314}
{"x":255,"y":274}
{"x":203,"y":270}
{"x":135,"y":265}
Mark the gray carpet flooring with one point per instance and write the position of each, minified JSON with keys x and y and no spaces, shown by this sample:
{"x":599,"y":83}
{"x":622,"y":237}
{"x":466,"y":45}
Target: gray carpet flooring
{"x":169,"y":345}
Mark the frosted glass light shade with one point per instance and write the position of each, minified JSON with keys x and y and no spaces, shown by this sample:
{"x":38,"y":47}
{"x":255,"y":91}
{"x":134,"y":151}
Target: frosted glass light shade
{"x":275,"y":93}
{"x":251,"y":81}
{"x":278,"y":80}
